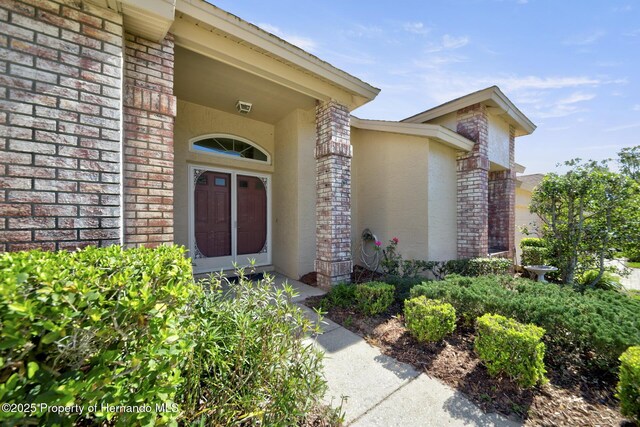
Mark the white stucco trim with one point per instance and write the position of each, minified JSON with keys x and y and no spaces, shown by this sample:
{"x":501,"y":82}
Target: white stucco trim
{"x":493,"y":97}
{"x":286,"y":52}
{"x":433,"y":132}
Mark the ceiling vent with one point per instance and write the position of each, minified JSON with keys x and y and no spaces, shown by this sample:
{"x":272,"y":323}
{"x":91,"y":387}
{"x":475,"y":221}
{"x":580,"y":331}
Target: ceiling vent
{"x":243,"y":107}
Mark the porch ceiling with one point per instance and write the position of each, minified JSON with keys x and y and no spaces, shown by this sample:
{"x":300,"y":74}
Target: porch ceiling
{"x":205,"y":81}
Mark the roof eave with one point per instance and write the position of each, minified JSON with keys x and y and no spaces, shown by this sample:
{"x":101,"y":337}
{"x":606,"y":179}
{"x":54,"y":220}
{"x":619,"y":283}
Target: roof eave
{"x":435,"y":132}
{"x":262,"y":39}
{"x":493,"y":94}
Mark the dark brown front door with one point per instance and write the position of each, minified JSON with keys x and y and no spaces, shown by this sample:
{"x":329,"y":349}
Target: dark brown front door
{"x":252,"y":214}
{"x":213,"y":214}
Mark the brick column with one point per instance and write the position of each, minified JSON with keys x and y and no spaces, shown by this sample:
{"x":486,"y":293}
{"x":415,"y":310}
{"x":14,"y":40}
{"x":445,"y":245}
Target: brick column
{"x":149,"y":111}
{"x":502,"y":204}
{"x":333,"y":188}
{"x":472,"y":180}
{"x":60,"y":96}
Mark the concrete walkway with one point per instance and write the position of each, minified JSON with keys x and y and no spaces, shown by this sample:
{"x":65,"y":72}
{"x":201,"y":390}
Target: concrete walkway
{"x":382,"y":391}
{"x":632,"y":281}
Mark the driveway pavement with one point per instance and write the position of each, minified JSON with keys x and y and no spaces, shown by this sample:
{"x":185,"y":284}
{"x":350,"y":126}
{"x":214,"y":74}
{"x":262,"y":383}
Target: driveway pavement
{"x":381,"y":391}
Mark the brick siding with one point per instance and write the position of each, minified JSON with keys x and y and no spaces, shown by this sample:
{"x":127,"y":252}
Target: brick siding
{"x":149,"y":112}
{"x":60,"y":96}
{"x":333,"y":191}
{"x":502,"y":204}
{"x":472,"y":184}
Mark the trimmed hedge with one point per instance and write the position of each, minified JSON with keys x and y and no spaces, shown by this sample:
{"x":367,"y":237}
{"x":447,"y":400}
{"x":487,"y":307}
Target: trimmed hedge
{"x":532,"y":242}
{"x":596,"y":325}
{"x":374,"y":297}
{"x":94,"y":326}
{"x":429,"y":320}
{"x":485,"y":266}
{"x":511,"y":348}
{"x":629,"y":384}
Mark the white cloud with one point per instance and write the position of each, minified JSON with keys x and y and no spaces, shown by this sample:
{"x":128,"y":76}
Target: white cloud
{"x":415,"y":28}
{"x":623,"y":127}
{"x":366,"y":31}
{"x":299,"y":41}
{"x":576,"y":97}
{"x":636,"y":107}
{"x":449,"y":42}
{"x":584,"y":39}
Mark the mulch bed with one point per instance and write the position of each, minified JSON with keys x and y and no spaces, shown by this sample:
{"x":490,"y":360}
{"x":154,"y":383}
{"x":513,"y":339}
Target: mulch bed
{"x":571,"y":398}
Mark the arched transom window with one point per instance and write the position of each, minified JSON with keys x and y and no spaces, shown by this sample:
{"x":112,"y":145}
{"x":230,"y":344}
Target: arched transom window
{"x":230,"y":145}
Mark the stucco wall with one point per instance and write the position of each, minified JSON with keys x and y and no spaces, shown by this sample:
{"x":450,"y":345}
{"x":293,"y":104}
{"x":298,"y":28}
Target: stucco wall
{"x":498,"y":141}
{"x":194,"y":120}
{"x":450,"y":121}
{"x":442,"y":203}
{"x":294,"y":194}
{"x":523,"y":218}
{"x":390,"y":189}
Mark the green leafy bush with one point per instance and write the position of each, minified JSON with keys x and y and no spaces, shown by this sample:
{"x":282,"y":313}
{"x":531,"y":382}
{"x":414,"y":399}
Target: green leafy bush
{"x":429,"y":320}
{"x":250,"y":365}
{"x":485,"y":266}
{"x":629,"y":384}
{"x":374,"y":297}
{"x":608,"y":281}
{"x":342,"y":295}
{"x":508,"y":347}
{"x":633,"y":254}
{"x":596,"y":326}
{"x":534,"y":255}
{"x":532,"y":242}
{"x":403,"y":285}
{"x":91,"y":327}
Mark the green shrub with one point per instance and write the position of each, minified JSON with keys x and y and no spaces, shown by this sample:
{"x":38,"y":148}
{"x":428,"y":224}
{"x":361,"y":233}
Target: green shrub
{"x":94,"y":326}
{"x":250,"y":365}
{"x":342,"y":295}
{"x":596,"y":325}
{"x":485,"y":266}
{"x":633,"y":254}
{"x":532,"y":242}
{"x":534,"y":255}
{"x":429,"y":320}
{"x":629,"y":384}
{"x":511,"y":348}
{"x":373,"y":297}
{"x":403,"y":285}
{"x":608,"y":281}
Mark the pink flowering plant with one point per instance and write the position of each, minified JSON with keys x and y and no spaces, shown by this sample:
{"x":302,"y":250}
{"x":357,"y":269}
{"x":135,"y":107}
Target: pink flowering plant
{"x":391,"y":258}
{"x":392,"y":263}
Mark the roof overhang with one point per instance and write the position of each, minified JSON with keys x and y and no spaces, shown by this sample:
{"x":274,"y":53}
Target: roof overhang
{"x":434,"y":132}
{"x":496,"y":101}
{"x":211,"y":31}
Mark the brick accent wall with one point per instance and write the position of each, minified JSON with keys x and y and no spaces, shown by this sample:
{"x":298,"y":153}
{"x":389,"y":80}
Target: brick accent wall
{"x":472,"y":184}
{"x":60,"y":90}
{"x":333,"y":187}
{"x":502,"y":204}
{"x":149,"y":112}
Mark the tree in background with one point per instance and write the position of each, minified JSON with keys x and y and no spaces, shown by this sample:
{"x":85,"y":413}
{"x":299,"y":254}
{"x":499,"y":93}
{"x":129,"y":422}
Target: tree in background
{"x":587,"y":213}
{"x":629,"y":161}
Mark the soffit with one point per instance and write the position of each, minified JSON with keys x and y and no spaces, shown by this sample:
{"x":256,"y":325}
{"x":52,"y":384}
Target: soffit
{"x":205,"y":81}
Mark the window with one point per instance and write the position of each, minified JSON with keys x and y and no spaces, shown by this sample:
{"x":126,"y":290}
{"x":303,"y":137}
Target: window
{"x":229,"y":145}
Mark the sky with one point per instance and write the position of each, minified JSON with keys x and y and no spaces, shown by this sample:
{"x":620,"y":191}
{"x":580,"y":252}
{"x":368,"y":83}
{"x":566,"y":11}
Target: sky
{"x":573,"y":67}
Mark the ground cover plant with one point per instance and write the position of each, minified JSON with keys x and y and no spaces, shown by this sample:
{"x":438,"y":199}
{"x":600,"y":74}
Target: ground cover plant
{"x":580,"y":356}
{"x":131,"y":328}
{"x":594,"y":327}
